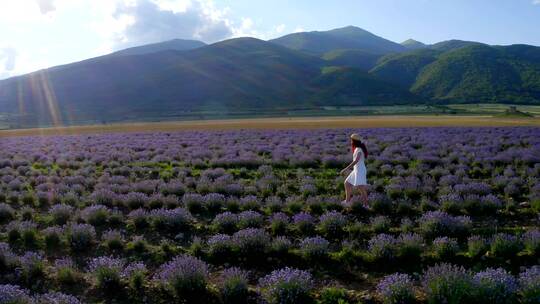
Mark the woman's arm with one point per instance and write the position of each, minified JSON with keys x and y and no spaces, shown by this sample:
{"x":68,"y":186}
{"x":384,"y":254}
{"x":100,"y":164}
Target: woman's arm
{"x":354,"y":162}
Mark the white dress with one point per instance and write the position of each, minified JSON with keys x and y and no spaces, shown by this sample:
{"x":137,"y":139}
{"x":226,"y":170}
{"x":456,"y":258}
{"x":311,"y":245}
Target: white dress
{"x":358,"y":175}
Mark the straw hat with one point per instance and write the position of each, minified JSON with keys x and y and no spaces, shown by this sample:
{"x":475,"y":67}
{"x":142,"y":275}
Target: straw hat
{"x":356,"y":136}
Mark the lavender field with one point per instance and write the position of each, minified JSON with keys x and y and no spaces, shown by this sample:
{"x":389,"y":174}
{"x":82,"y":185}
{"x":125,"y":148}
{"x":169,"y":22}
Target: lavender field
{"x":255,"y":217}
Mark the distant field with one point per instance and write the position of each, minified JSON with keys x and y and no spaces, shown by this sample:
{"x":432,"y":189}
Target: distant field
{"x":10,"y":122}
{"x":287,"y":123}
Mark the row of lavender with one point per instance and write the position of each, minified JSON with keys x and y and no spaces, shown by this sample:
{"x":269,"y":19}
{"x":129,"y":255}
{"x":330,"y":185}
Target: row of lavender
{"x":465,"y":195}
{"x":187,"y":279}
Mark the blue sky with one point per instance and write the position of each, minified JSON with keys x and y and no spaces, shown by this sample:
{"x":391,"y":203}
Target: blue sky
{"x":36,"y":34}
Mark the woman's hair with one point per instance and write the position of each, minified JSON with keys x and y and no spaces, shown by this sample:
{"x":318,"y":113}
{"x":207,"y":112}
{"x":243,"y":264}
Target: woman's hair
{"x":358,"y":144}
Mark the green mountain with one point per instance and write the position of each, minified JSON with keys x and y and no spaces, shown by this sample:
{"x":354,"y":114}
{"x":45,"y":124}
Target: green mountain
{"x":175,"y":44}
{"x":449,"y":45}
{"x":243,"y":74}
{"x":349,"y":37}
{"x":352,"y":58}
{"x":481,"y":73}
{"x":346,"y":66}
{"x":353,"y":87}
{"x":412,"y":44}
{"x":403,"y":68}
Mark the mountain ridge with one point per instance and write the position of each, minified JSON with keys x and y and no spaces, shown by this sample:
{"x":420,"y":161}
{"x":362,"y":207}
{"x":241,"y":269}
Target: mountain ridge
{"x":172,"y":79}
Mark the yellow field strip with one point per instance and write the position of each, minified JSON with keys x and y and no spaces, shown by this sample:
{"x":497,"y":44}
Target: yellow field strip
{"x":284,"y":123}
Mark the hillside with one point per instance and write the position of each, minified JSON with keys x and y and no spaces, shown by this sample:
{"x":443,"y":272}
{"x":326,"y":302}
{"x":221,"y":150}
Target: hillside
{"x":354,"y":87}
{"x":403,"y":68}
{"x":346,"y":66}
{"x":483,"y":74}
{"x":453,"y":44}
{"x":352,"y":58}
{"x":171,"y":45}
{"x":412,"y":44}
{"x":243,"y":74}
{"x":349,"y":37}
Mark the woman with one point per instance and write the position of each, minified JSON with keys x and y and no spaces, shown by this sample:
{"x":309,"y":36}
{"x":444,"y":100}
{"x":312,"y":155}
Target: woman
{"x":357,"y":178}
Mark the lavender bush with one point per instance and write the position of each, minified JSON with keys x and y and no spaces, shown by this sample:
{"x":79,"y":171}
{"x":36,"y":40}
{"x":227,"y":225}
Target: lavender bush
{"x":314,"y":247}
{"x":529,"y":285}
{"x":57,"y":298}
{"x":531,"y":241}
{"x":505,"y":245}
{"x":396,"y":288}
{"x":287,"y":286}
{"x":185,"y":276}
{"x":13,"y":294}
{"x":107,"y":273}
{"x":151,"y":196}
{"x":234,"y":286}
{"x":445,"y":283}
{"x":445,"y":247}
{"x":495,"y":286}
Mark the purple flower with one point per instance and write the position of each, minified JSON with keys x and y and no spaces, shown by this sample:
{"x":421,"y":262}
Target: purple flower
{"x":139,"y":217}
{"x":173,"y":220}
{"x":247,"y":219}
{"x":476,"y":246}
{"x":280,"y":245}
{"x":96,"y":214}
{"x":249,"y":202}
{"x":106,"y":262}
{"x":314,"y":247}
{"x":234,"y":285}
{"x":81,"y":236}
{"x":287,"y":286}
{"x":396,"y":288}
{"x":61,"y":213}
{"x":409,"y":245}
{"x":446,"y":283}
{"x":445,"y":247}
{"x":183,"y":275}
{"x":214,"y":201}
{"x":31,"y":263}
{"x":505,"y":245}
{"x":531,"y":240}
{"x":7,"y":213}
{"x":251,"y":241}
{"x":382,"y":246}
{"x":134,"y":268}
{"x":435,"y":223}
{"x":64,"y":262}
{"x":529,"y":285}
{"x":379,"y":223}
{"x":219,"y":245}
{"x":134,"y":200}
{"x":14,"y":294}
{"x":7,"y":257}
{"x":174,"y":187}
{"x":104,"y":197}
{"x":57,"y":298}
{"x":331,"y":223}
{"x":225,"y":222}
{"x":304,"y":222}
{"x":496,"y":286}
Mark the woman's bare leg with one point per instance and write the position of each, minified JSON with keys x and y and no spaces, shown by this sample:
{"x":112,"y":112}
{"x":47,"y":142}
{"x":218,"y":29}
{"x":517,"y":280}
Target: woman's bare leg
{"x":363,"y":195}
{"x":348,"y":191}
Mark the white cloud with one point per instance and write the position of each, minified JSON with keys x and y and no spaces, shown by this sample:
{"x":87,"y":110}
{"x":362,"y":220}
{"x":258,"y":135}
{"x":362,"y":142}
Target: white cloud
{"x":536,"y":2}
{"x":147,"y":21}
{"x":46,"y":6}
{"x":280,"y":28}
{"x":44,"y":33}
{"x":8,"y":56}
